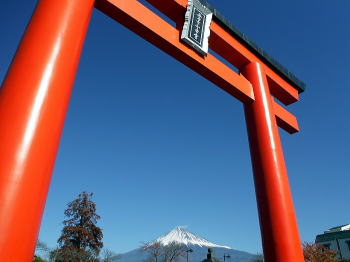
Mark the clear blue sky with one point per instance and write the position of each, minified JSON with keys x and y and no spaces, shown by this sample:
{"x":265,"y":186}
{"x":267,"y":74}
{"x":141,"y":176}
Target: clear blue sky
{"x":160,"y":146}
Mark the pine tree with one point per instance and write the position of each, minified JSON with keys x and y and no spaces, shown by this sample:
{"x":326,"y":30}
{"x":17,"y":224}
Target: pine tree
{"x":81,"y":239}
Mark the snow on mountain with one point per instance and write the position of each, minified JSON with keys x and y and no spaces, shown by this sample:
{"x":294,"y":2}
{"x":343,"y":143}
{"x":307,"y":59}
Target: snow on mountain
{"x":181,"y":236}
{"x":197,"y":244}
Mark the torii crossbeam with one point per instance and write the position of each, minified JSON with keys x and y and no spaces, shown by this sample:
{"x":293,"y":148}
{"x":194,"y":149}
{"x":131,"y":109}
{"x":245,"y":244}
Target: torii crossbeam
{"x":36,"y":90}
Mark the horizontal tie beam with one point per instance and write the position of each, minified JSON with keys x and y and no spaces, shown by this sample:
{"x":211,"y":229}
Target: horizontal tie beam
{"x":285,"y":119}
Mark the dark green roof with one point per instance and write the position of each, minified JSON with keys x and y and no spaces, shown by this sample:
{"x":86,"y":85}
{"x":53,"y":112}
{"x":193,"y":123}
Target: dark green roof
{"x":333,"y":235}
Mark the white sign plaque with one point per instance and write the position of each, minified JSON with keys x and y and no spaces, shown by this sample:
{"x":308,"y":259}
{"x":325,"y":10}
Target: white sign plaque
{"x":196,"y":29}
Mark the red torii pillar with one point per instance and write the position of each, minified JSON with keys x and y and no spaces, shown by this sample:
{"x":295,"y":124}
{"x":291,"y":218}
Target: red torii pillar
{"x":278,"y":226}
{"x":33,"y":102}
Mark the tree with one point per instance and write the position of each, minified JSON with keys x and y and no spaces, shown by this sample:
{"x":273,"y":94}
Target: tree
{"x":153,"y":249}
{"x":71,"y":254}
{"x":318,"y":253}
{"x":41,"y":250}
{"x":41,"y":246}
{"x":109,"y":256}
{"x":164,"y":253}
{"x":173,"y":251}
{"x":38,"y":259}
{"x":81,"y":239}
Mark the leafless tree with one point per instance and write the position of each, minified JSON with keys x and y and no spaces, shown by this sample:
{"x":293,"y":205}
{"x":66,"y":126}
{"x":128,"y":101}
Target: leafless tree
{"x":164,"y":253}
{"x":42,"y":249}
{"x":173,"y":251}
{"x":109,"y":256}
{"x":154,"y":250}
{"x":40,"y":245}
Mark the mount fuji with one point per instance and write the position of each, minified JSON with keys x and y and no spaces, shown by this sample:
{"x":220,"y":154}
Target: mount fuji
{"x":199,"y":246}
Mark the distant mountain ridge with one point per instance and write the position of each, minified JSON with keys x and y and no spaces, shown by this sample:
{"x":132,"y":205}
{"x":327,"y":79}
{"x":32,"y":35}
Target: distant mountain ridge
{"x":198,"y":244}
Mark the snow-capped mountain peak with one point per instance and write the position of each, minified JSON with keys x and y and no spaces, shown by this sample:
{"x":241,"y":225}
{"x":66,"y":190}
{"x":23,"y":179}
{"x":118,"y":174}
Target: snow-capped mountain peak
{"x":181,"y":236}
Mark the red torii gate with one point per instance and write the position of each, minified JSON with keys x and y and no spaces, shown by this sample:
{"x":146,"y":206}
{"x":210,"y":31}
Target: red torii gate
{"x":35,"y":94}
